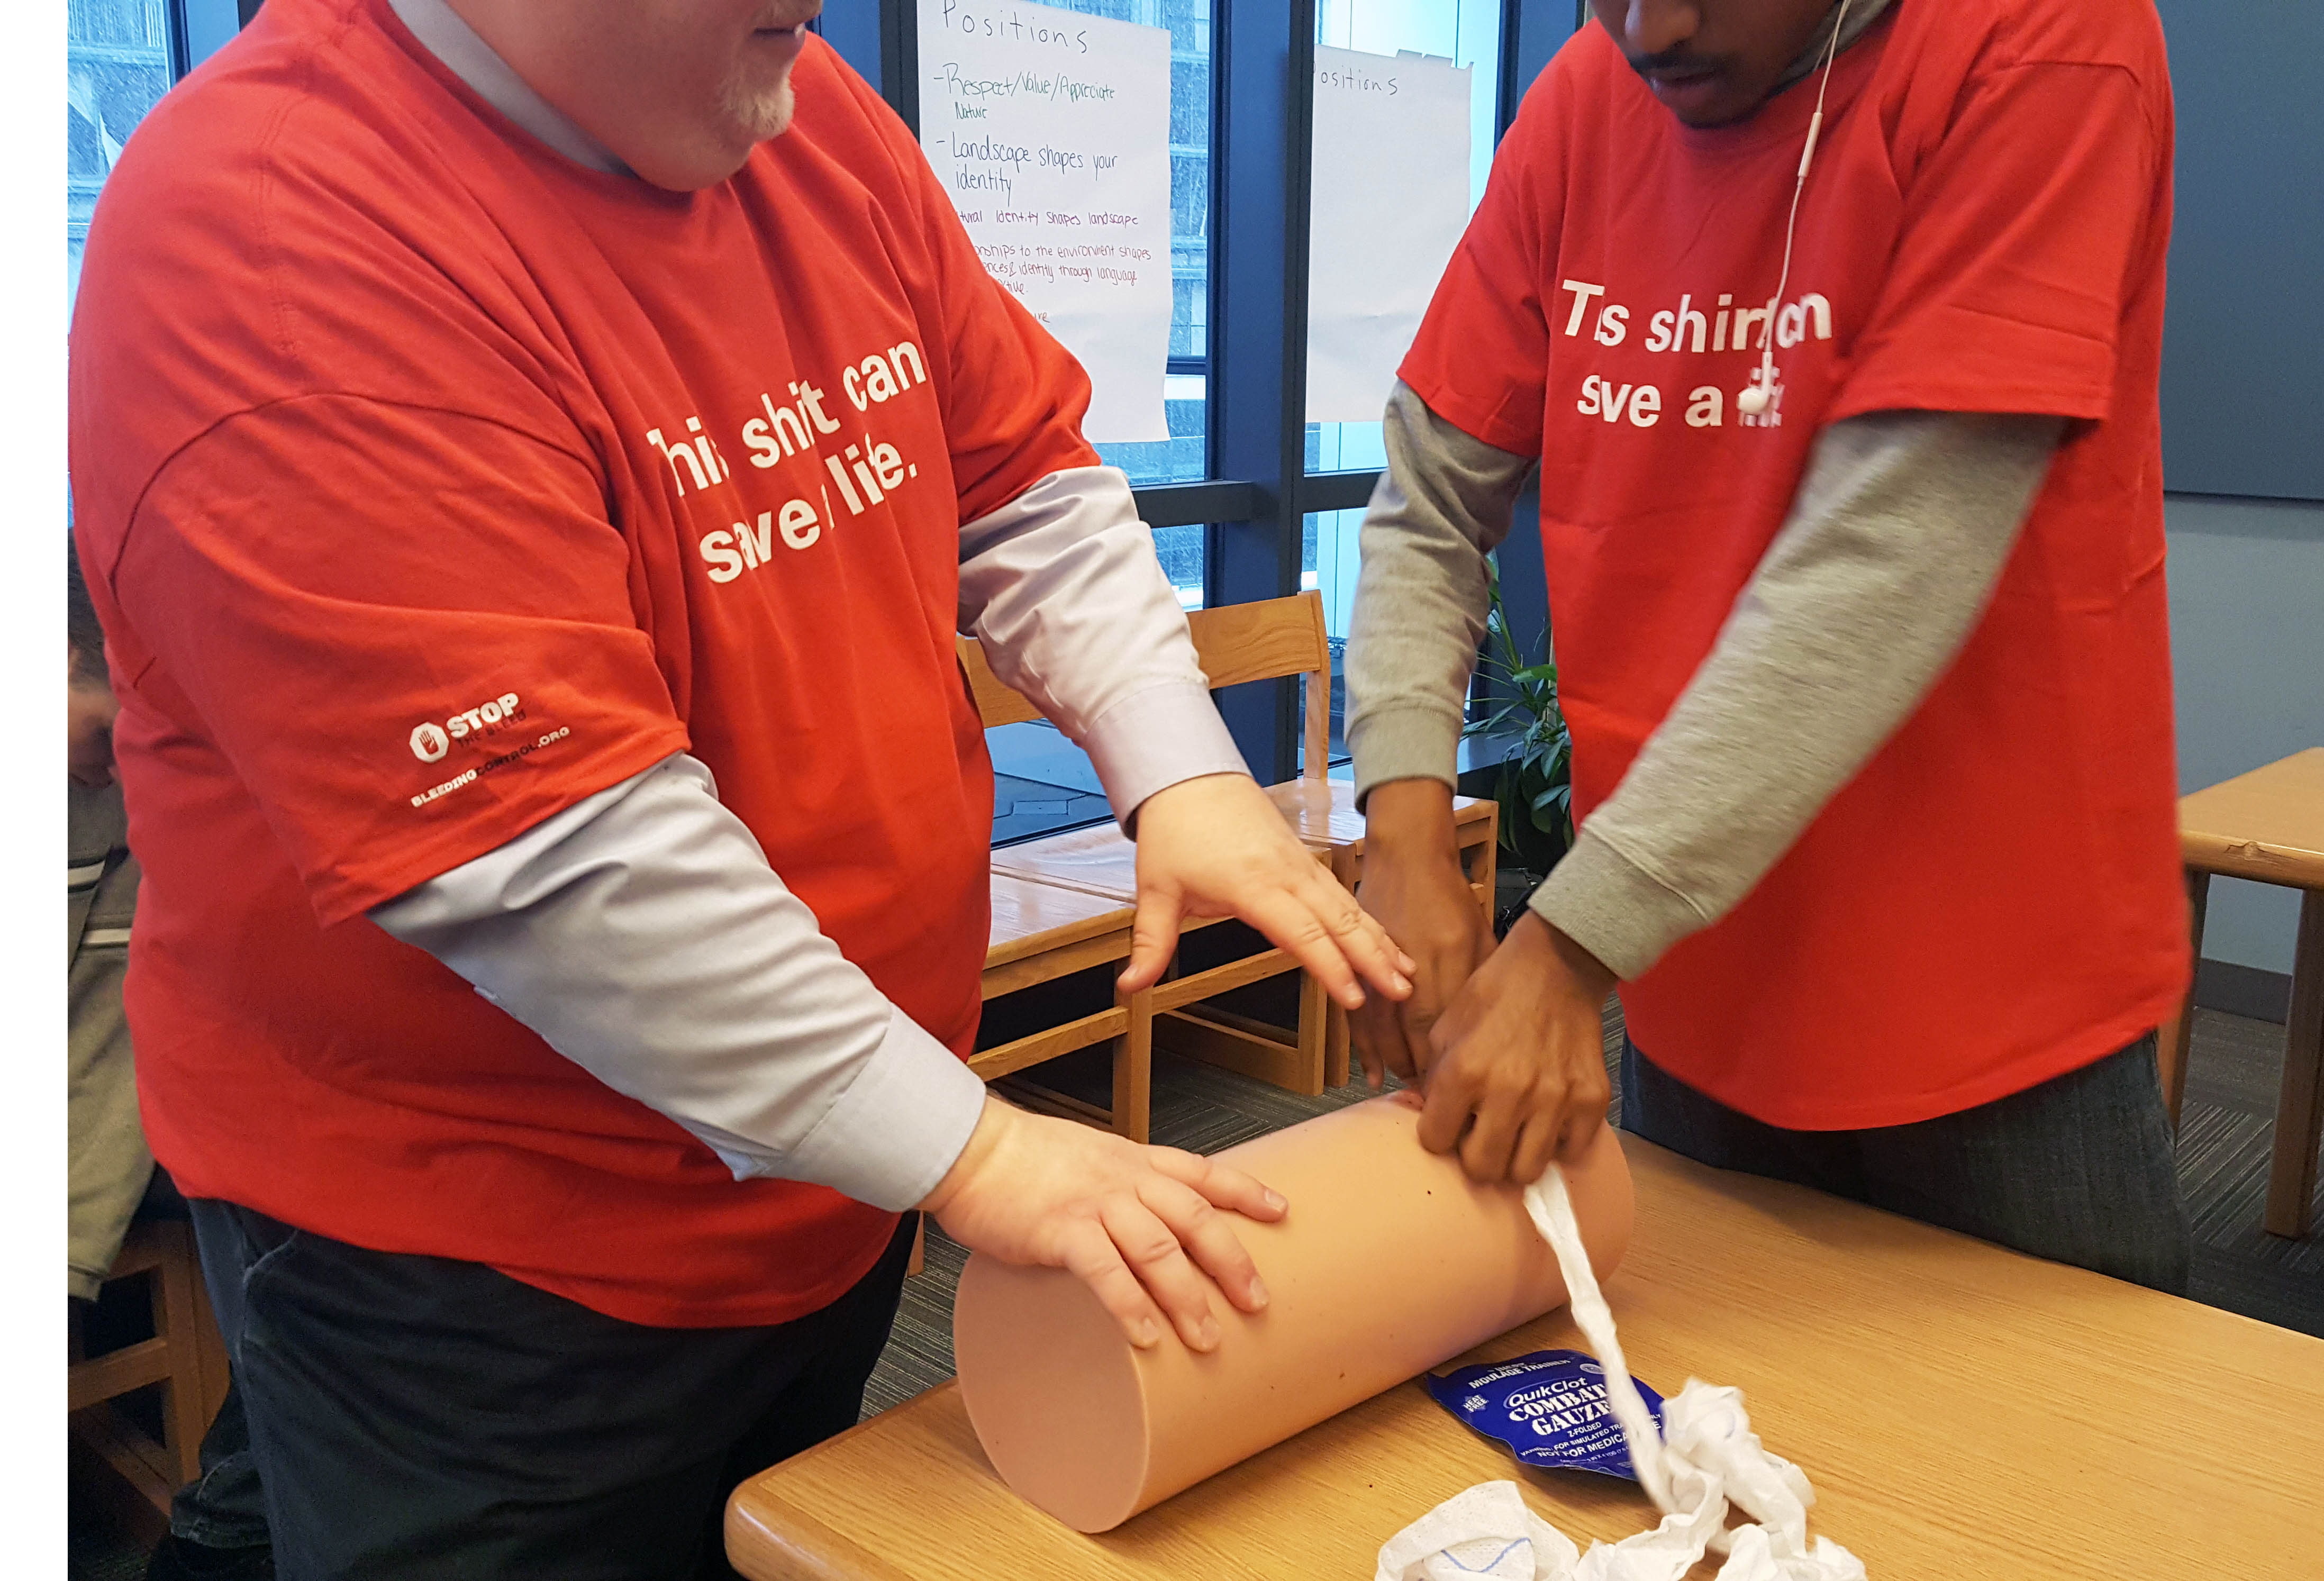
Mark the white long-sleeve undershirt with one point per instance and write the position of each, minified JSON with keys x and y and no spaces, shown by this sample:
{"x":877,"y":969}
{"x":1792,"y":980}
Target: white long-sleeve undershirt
{"x":641,"y":933}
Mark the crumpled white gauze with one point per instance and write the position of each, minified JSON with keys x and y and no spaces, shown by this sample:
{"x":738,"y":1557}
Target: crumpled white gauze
{"x":1705,"y":1459}
{"x":1486,"y":1531}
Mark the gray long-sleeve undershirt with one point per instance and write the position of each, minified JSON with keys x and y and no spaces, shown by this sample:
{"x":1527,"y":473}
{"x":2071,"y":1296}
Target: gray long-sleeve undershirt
{"x":1892,"y":545}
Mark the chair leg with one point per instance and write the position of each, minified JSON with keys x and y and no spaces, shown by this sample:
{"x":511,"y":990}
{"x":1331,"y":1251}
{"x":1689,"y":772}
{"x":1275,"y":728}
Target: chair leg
{"x":1315,"y":1008}
{"x":1347,"y":867}
{"x":1133,"y":1068}
{"x":2175,"y":1037}
{"x":2299,"y":1108}
{"x":186,"y":1417}
{"x":1339,"y":1056}
{"x":1488,"y":870}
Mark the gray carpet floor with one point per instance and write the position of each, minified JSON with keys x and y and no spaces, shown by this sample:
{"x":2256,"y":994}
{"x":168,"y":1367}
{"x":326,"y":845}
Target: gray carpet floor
{"x":2227,"y":1133}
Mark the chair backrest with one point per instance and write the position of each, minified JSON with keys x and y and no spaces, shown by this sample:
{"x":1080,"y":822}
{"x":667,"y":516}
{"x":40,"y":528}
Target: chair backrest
{"x":1262,"y":641}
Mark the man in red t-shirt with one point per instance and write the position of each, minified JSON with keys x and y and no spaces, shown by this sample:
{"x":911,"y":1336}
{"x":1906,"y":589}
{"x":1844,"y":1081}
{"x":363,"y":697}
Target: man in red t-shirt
{"x":1850,"y":500}
{"x":531,"y":462}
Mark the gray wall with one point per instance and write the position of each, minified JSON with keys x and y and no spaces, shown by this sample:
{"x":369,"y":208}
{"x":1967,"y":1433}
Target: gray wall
{"x":2240,"y":338}
{"x":2247,"y":655}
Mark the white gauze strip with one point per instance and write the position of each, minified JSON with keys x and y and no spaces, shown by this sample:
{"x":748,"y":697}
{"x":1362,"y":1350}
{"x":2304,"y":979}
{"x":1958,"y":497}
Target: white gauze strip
{"x":1552,"y":1214}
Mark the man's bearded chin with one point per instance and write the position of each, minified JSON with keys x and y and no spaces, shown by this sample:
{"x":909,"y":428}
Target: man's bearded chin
{"x":763,"y":112}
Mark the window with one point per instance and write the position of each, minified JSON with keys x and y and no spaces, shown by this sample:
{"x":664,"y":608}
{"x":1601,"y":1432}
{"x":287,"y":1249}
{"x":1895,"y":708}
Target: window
{"x":116,"y":69}
{"x":1042,"y":782}
{"x":1251,"y":501}
{"x":1185,"y":456}
{"x":1468,"y":33}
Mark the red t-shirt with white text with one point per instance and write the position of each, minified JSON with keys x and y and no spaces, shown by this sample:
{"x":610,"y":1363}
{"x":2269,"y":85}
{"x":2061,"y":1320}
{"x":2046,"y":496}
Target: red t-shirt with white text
{"x":428,"y":482}
{"x":1994,"y":899}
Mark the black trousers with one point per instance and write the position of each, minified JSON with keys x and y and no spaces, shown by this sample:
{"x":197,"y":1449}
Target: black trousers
{"x":2080,"y":1168}
{"x":423,"y":1417}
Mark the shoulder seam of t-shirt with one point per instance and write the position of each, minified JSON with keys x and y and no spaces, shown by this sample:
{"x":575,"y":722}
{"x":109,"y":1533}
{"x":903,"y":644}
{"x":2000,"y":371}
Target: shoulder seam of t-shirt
{"x":2047,"y":62}
{"x":145,"y":490}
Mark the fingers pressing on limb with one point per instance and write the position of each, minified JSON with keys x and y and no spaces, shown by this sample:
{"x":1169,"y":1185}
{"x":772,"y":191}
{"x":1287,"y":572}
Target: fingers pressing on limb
{"x":1203,"y":1231}
{"x":1085,"y":1249}
{"x":1150,"y":1230}
{"x":1161,"y":1265}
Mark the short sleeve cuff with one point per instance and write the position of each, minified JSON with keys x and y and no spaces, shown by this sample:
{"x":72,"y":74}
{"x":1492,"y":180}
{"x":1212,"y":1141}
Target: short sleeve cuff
{"x":1155,"y":738}
{"x":1405,"y":743}
{"x":900,"y":1126}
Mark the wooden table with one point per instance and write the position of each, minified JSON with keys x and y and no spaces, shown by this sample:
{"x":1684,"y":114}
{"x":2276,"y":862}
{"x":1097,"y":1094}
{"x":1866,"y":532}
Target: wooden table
{"x":1963,"y":1411}
{"x":1101,"y":861}
{"x":2268,"y":825}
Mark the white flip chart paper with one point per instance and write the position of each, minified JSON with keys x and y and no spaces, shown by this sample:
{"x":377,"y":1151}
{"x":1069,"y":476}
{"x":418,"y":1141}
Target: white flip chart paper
{"x":1389,"y":199}
{"x":1051,"y":131}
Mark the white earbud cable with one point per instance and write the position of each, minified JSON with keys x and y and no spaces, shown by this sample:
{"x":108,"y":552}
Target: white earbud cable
{"x":1756,"y":397}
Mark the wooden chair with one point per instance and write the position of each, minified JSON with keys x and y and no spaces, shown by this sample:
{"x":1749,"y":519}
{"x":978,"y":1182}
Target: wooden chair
{"x":2267,"y":826}
{"x":1099,"y":863}
{"x":185,"y":1356}
{"x":1041,"y":933}
{"x":1262,"y":641}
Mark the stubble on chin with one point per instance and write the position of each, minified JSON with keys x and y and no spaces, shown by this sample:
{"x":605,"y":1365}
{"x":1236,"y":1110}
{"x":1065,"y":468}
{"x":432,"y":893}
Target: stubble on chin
{"x":759,"y":111}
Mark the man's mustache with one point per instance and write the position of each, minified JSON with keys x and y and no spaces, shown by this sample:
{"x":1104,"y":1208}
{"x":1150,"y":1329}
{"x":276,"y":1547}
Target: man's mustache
{"x":1676,"y":63}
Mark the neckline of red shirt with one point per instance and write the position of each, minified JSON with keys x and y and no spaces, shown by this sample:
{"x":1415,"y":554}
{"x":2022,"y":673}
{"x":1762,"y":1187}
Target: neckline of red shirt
{"x":612,"y":184}
{"x":1783,"y":117}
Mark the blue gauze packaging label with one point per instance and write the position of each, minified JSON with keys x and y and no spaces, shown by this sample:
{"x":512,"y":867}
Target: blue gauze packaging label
{"x":1549,"y":1407}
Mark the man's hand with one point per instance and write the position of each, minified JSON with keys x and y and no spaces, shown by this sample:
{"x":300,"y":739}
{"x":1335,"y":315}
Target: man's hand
{"x":1140,"y":1226}
{"x":1215,"y":846}
{"x":1413,"y":883}
{"x":1517,"y":1075}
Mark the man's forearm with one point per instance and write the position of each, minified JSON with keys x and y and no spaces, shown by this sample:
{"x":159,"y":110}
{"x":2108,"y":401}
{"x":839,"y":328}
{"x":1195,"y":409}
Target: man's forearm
{"x":1062,"y":587}
{"x":1444,"y":500}
{"x":641,"y":933}
{"x":1894,"y":545}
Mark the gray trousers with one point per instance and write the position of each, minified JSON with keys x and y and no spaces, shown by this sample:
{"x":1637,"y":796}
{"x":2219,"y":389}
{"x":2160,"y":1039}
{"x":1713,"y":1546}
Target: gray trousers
{"x":2079,"y":1169}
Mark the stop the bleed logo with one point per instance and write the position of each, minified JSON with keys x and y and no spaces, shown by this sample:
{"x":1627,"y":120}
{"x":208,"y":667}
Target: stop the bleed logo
{"x":430,"y":741}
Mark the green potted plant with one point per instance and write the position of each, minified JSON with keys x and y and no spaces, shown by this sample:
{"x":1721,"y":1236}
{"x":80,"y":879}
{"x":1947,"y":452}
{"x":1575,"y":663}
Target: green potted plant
{"x":1534,"y":783}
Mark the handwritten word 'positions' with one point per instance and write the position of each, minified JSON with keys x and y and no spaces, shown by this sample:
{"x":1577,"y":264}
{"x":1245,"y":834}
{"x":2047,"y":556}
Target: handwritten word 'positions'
{"x":1006,"y":23}
{"x":1355,"y":82}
